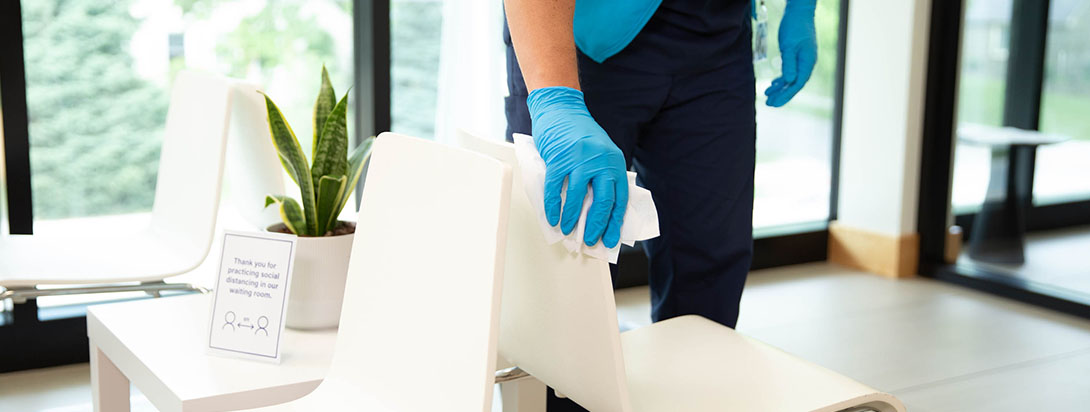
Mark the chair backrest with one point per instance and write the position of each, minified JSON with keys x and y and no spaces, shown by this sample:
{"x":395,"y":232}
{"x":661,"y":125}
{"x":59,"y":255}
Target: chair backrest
{"x":421,"y":303}
{"x":559,"y":318}
{"x":253,"y":167}
{"x":191,"y":163}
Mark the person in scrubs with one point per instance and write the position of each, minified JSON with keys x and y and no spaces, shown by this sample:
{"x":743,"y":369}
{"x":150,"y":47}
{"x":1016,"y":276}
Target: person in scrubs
{"x":667,"y":88}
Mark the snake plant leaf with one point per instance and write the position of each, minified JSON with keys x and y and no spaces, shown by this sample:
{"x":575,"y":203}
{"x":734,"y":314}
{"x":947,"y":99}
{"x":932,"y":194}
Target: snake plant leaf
{"x":356,"y":160}
{"x":331,"y":155}
{"x":294,"y":161}
{"x":330,"y":189}
{"x":327,"y":99}
{"x":290,"y":213}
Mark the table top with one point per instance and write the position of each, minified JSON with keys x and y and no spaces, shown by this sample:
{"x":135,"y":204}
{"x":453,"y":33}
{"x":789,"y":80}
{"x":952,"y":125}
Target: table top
{"x":159,"y":344}
{"x":1005,"y":136}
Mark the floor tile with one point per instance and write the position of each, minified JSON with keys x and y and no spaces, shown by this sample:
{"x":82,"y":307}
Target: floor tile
{"x":67,"y":387}
{"x":1056,"y":384}
{"x":941,"y":338}
{"x":944,"y":335}
{"x":886,"y":333}
{"x":58,"y":389}
{"x":915,"y":408}
{"x":810,"y":292}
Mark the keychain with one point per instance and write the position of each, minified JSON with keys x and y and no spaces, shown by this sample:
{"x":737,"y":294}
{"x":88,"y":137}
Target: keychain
{"x":760,"y":31}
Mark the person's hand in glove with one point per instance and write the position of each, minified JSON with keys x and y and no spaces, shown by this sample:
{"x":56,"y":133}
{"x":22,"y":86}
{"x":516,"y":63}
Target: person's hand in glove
{"x":798,"y":49}
{"x":575,"y":147}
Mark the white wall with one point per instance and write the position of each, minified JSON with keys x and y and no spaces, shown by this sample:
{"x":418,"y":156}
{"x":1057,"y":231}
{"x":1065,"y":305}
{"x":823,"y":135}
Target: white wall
{"x":885,"y":73}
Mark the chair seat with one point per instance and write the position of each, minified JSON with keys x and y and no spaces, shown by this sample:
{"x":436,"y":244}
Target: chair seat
{"x":31,"y":260}
{"x":690,"y":363}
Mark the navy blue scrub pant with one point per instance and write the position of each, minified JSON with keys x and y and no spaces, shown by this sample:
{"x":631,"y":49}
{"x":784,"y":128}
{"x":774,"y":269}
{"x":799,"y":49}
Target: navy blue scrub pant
{"x":691,"y":140}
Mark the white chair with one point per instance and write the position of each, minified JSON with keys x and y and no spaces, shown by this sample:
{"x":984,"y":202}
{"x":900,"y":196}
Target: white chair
{"x":559,"y":324}
{"x":253,"y":167}
{"x":183,"y":215}
{"x":418,"y":329}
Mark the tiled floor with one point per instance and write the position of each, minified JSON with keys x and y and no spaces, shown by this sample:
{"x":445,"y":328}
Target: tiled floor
{"x":938,"y":347}
{"x":59,"y":389}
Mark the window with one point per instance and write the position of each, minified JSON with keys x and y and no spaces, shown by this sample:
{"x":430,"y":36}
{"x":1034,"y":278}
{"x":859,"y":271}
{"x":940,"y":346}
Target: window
{"x":98,"y":78}
{"x":1062,"y":171}
{"x":1033,"y":75}
{"x":794,"y":142}
{"x":415,"y":28}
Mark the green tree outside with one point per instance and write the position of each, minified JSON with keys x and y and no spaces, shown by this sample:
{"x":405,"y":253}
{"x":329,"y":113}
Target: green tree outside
{"x":95,"y":126}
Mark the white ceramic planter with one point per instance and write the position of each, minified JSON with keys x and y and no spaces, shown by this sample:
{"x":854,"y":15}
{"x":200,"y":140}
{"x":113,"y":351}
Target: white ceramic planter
{"x":317,"y":283}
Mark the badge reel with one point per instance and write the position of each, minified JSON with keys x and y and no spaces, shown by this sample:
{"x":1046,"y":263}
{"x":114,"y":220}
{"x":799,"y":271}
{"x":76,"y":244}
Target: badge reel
{"x":760,"y":31}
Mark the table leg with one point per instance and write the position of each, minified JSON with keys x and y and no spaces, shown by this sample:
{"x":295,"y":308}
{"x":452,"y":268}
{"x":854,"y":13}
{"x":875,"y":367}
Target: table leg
{"x":109,"y":387}
{"x":523,"y":395}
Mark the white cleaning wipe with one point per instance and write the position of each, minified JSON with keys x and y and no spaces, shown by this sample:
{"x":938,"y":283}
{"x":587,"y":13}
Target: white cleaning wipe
{"x":641,"y":219}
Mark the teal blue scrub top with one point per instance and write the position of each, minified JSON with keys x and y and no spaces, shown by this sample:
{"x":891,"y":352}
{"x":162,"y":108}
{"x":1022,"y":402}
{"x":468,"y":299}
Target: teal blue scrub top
{"x":604,"y":27}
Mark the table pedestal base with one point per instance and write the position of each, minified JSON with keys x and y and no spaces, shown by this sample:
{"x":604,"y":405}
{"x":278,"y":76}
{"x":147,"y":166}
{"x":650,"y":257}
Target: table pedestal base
{"x":998,"y":233}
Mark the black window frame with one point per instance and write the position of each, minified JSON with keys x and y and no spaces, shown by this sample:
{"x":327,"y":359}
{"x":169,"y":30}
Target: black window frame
{"x":1022,"y":103}
{"x":16,"y":135}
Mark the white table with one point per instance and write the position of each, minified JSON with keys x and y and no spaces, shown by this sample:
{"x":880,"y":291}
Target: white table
{"x":159,"y":345}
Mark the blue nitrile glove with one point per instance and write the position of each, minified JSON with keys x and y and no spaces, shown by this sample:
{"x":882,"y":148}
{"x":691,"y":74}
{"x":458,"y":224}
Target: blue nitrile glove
{"x":575,"y":147}
{"x":798,"y":49}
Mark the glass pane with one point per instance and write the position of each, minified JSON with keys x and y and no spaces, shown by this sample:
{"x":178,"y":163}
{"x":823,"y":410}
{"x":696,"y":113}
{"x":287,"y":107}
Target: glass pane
{"x":3,"y":182}
{"x":794,"y":142}
{"x":982,"y":84}
{"x":1062,"y":171}
{"x":415,"y":27}
{"x":996,"y":242}
{"x":99,"y":76}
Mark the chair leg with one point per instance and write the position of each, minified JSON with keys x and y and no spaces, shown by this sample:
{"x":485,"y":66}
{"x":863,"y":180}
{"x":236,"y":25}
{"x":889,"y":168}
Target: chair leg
{"x":523,"y":395}
{"x":109,"y":387}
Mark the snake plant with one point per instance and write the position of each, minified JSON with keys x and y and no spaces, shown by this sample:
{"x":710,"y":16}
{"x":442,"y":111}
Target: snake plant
{"x":326,"y":183}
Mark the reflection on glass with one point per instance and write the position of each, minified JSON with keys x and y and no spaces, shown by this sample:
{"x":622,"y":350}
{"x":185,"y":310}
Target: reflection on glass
{"x":99,"y":75}
{"x":794,"y":142}
{"x":997,"y":243}
{"x":1062,"y":171}
{"x":982,"y":83}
